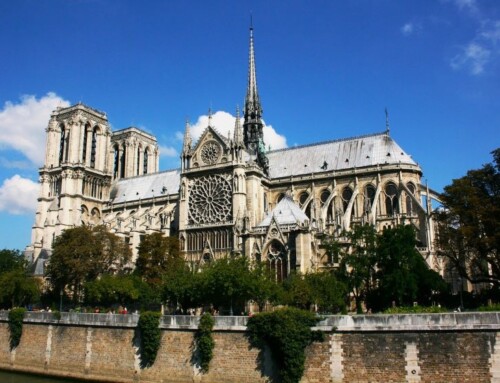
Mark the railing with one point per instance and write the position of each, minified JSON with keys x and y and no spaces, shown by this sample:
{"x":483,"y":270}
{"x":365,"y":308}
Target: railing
{"x":475,"y":321}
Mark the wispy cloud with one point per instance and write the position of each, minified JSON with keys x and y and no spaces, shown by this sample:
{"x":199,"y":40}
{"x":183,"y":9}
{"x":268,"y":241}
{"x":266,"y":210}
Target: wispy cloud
{"x":481,"y":50}
{"x":168,"y":151}
{"x":22,"y":124}
{"x":18,"y":195}
{"x":410,"y":28}
{"x":473,"y":56}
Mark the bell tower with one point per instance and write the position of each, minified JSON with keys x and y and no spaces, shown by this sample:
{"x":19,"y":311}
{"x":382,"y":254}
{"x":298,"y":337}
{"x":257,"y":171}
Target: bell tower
{"x":76,"y":177}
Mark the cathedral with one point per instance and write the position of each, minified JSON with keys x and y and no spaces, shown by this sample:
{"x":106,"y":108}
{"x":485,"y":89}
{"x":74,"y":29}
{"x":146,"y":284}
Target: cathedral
{"x":230,"y":195}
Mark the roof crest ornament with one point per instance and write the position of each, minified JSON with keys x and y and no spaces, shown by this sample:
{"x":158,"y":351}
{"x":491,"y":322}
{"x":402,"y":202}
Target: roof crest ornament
{"x":387,"y":128}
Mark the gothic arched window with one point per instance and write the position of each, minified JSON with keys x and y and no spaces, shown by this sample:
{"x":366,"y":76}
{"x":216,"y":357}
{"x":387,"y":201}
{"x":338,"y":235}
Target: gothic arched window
{"x":277,"y":261}
{"x":146,"y":155}
{"x":369,"y":198}
{"x":391,"y":199}
{"x":116,"y":162}
{"x":138,"y":164}
{"x":122,"y":162}
{"x":84,"y":146}
{"x":62,"y":145}
{"x":409,"y":199}
{"x":346,"y":197}
{"x":325,"y":194}
{"x":93,"y":149}
{"x":303,"y":198}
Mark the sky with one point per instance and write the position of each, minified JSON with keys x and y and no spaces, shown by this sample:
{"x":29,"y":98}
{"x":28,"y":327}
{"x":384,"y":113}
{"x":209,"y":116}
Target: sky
{"x":325,"y":70}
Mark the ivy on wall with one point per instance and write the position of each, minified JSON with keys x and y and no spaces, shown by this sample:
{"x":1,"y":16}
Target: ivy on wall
{"x":204,"y":341}
{"x":286,"y":332}
{"x":16,"y":317}
{"x":150,"y":336}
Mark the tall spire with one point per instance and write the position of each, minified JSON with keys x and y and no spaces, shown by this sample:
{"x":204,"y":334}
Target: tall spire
{"x":253,"y":110}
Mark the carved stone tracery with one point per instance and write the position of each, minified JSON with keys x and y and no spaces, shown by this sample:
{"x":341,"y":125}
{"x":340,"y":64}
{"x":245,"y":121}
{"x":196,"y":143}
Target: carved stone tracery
{"x":210,"y":200}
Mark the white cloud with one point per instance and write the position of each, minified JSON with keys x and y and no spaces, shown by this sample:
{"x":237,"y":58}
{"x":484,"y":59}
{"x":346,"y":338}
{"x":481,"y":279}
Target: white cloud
{"x":407,"y":29}
{"x":168,"y":151}
{"x":490,"y":31}
{"x":224,"y":123}
{"x":18,"y":195}
{"x":15,"y":164}
{"x":474,"y":56}
{"x":22,"y":125}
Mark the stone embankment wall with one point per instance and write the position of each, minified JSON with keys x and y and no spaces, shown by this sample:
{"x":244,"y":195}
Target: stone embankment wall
{"x":460,"y":347}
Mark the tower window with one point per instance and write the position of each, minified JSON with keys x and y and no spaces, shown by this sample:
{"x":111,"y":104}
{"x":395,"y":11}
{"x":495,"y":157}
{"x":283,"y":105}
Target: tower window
{"x":93,"y":148}
{"x":62,"y":144}
{"x":391,"y":199}
{"x":146,"y":154}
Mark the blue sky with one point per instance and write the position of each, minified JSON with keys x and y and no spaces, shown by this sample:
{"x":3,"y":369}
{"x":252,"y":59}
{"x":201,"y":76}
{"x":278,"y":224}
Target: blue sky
{"x":325,"y":70}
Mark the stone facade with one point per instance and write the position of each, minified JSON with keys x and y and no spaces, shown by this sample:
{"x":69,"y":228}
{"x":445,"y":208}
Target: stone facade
{"x":408,"y":348}
{"x":230,"y":195}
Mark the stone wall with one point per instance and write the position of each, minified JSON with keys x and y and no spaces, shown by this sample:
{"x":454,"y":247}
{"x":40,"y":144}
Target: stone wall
{"x":459,"y":347}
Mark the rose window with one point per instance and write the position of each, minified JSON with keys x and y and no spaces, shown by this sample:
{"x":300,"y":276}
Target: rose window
{"x":210,"y":200}
{"x":210,"y":152}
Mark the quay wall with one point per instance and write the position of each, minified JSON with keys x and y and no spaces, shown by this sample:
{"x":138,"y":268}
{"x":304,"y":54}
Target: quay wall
{"x":455,"y":347}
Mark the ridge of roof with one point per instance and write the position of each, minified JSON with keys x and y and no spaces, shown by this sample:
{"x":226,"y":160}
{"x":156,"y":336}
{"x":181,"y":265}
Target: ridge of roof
{"x":149,"y":174}
{"x":330,"y":141}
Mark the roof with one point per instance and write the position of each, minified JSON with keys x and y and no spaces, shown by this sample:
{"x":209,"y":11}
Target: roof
{"x":146,"y":186}
{"x":286,"y":212}
{"x":342,"y":154}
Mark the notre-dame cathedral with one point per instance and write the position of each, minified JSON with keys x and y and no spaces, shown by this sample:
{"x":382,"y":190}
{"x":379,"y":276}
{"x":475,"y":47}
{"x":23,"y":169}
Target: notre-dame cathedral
{"x":229,"y":196}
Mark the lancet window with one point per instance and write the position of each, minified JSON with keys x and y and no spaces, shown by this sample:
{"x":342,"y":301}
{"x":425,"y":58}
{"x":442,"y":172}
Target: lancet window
{"x":391,"y":199}
{"x":277,"y":260}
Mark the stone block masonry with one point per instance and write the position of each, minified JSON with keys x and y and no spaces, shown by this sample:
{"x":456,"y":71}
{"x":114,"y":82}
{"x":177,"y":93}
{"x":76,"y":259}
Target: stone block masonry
{"x":461,"y":347}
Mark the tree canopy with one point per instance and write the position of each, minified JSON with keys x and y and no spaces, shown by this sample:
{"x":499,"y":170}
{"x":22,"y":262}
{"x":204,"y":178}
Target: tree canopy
{"x":17,"y":288}
{"x":83,"y":254}
{"x":468,"y":234}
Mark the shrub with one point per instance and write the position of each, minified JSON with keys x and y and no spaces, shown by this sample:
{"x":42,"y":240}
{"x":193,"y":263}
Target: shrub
{"x":287,"y":332}
{"x":16,"y":326}
{"x":494,"y":307}
{"x":150,"y":336}
{"x":204,"y":341}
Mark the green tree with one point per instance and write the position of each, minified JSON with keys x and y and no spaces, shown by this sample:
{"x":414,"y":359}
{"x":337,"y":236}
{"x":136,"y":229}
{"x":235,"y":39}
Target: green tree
{"x":11,"y":260}
{"x":402,"y":274}
{"x":180,"y":286}
{"x":468,"y":234}
{"x":83,"y":254}
{"x":263,"y":288}
{"x":156,"y":254}
{"x":327,"y":292}
{"x":297,"y":292}
{"x":226,"y":283}
{"x":357,"y":264}
{"x":18,"y":289}
{"x":110,"y":290}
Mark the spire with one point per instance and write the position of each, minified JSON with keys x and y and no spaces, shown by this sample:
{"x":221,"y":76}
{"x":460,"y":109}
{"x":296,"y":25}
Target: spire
{"x":253,"y":110}
{"x":238,"y":133}
{"x":210,"y":117}
{"x":387,"y":128}
{"x":187,"y":138}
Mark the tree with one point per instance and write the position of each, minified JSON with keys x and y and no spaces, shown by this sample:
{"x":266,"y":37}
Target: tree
{"x":327,"y":292}
{"x":83,"y":254}
{"x":18,"y":289}
{"x":156,"y":254}
{"x":11,"y":260}
{"x":357,"y":266}
{"x":113,"y":289}
{"x":402,"y":275}
{"x":263,"y":287}
{"x":468,"y":231}
{"x":225,"y":282}
{"x":180,"y":286}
